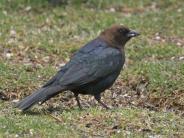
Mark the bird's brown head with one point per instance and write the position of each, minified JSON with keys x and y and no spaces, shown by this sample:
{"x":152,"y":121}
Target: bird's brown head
{"x":117,"y":35}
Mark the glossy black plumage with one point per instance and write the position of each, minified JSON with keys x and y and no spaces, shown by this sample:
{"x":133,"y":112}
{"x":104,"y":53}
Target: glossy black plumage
{"x":91,"y":70}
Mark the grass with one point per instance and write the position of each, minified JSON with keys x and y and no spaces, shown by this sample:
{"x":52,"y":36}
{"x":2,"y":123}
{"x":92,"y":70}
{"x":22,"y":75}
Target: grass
{"x":129,"y":122}
{"x":37,"y":38}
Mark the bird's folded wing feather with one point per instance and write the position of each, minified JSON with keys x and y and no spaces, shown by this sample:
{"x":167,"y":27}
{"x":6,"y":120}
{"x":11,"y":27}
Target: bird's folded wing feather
{"x":89,"y":67}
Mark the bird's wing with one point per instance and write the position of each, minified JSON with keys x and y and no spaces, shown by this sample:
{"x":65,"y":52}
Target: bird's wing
{"x":81,"y":53}
{"x":92,"y":65}
{"x":56,"y":77}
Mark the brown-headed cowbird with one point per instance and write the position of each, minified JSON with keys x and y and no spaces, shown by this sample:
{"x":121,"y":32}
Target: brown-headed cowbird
{"x":91,"y":70}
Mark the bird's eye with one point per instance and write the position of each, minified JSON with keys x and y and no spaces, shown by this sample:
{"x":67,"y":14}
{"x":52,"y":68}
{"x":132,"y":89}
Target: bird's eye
{"x":121,"y":31}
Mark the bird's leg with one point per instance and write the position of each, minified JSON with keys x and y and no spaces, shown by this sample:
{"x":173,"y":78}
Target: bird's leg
{"x":77,"y":99}
{"x":98,"y":98}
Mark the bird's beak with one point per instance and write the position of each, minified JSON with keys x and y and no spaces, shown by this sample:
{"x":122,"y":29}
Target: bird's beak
{"x":133,"y":33}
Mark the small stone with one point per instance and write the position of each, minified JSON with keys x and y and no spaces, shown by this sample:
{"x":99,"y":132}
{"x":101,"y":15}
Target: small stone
{"x":179,"y":10}
{"x":178,"y":44}
{"x":112,"y":10}
{"x":28,"y":8}
{"x":5,"y":12}
{"x":13,"y":33}
{"x":172,"y":58}
{"x":51,"y":41}
{"x":9,"y":55}
{"x":157,"y":37}
{"x":181,"y":58}
{"x":15,"y":101}
{"x":31,"y":131}
{"x":119,"y":131}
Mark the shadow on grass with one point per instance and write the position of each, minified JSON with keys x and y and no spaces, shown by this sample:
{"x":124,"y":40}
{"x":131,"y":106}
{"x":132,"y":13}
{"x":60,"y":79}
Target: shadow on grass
{"x":49,"y":110}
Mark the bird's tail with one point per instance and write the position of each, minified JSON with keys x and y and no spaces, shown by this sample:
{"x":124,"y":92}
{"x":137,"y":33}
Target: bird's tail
{"x":40,"y":96}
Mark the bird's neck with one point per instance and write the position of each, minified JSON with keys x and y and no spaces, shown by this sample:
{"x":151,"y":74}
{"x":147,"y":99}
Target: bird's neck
{"x":111,"y":42}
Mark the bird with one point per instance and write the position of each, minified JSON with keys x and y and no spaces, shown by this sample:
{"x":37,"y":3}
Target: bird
{"x":90,"y":71}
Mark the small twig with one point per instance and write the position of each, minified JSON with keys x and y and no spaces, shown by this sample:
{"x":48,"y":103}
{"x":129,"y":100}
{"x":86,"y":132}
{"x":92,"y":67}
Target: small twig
{"x":54,"y":117}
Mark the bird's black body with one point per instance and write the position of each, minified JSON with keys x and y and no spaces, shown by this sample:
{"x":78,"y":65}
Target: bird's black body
{"x":91,"y":70}
{"x":104,"y":67}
